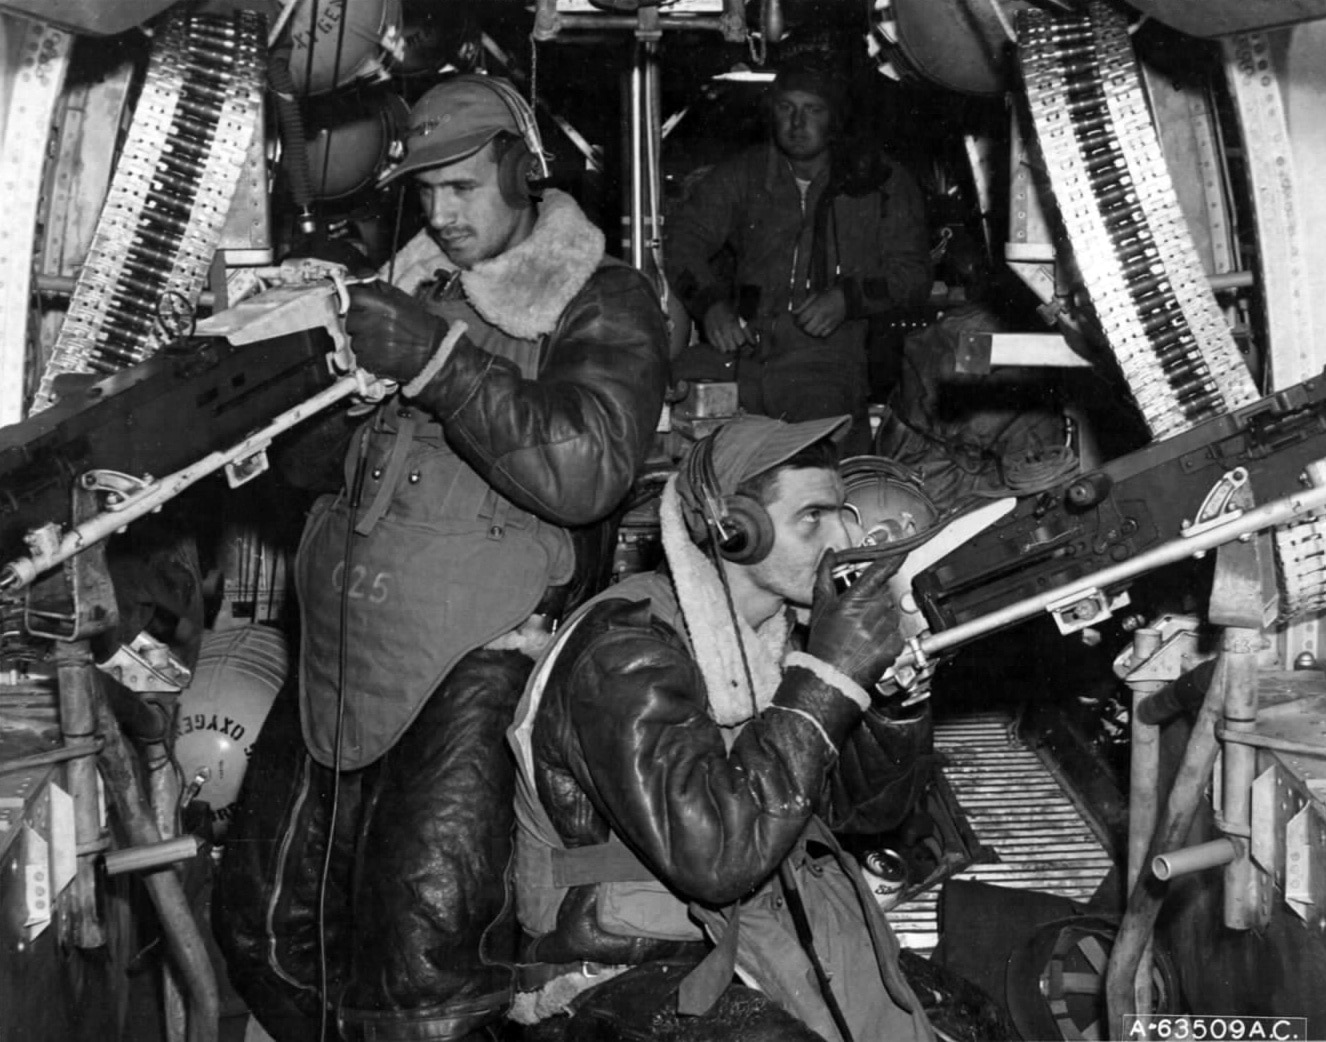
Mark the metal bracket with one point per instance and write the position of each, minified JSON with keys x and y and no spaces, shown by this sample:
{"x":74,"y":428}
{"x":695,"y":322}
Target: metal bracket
{"x":80,"y":601}
{"x":1288,"y":841}
{"x":1218,"y":507}
{"x":978,"y":352}
{"x":245,"y":470}
{"x":147,"y":666}
{"x":1176,"y":653}
{"x":1084,"y":608}
{"x":1305,"y":881}
{"x":912,"y":677}
{"x":117,"y":486}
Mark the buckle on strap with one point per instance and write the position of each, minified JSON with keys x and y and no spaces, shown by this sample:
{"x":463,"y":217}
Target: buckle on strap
{"x":502,"y":514}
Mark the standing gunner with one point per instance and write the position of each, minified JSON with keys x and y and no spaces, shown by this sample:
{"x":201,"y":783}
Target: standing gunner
{"x":363,"y":884}
{"x":822,"y":242}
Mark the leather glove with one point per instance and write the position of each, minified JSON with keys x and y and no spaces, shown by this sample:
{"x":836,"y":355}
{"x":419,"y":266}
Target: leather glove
{"x":856,"y":631}
{"x":392,"y":334}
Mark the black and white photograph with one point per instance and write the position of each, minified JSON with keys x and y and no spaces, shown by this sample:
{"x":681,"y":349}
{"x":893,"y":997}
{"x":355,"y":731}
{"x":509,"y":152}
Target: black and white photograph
{"x":662,"y":521}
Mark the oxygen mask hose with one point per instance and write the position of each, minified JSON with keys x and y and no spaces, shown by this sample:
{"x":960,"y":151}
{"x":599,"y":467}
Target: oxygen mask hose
{"x":291,"y":119}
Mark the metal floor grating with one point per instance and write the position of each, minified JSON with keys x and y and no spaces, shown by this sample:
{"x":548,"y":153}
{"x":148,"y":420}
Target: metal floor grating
{"x":1017,"y":809}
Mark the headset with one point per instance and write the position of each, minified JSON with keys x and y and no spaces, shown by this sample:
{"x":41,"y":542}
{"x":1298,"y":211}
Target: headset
{"x":523,"y":169}
{"x":737,"y":526}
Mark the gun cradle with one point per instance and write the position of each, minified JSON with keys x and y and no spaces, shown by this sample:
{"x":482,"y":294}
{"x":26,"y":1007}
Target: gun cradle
{"x":1128,"y":506}
{"x":151,"y":419}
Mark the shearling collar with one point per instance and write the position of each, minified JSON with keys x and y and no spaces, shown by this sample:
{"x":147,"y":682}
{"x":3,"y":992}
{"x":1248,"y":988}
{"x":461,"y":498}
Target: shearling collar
{"x":523,"y":291}
{"x":709,"y":625}
{"x":415,"y":263}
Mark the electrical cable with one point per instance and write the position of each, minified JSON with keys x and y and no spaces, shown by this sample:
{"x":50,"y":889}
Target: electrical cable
{"x":1032,"y":472}
{"x":954,"y":447}
{"x":699,"y":476}
{"x":290,"y":119}
{"x":354,"y":496}
{"x":732,"y":612}
{"x":396,"y":233}
{"x":342,"y":668}
{"x":1022,"y":474}
{"x":168,"y":743}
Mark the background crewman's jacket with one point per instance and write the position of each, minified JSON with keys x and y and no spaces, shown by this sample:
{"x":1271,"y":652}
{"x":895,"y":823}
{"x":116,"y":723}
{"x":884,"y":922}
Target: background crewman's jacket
{"x":874,"y":243}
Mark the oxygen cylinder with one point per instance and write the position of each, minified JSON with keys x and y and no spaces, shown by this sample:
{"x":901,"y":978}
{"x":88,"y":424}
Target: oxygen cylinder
{"x":336,"y":42}
{"x":235,"y":683}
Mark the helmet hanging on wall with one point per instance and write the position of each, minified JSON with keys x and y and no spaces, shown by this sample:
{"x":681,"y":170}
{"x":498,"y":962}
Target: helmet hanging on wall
{"x":350,"y":141}
{"x":889,"y":501}
{"x":234,"y":685}
{"x":337,"y":42}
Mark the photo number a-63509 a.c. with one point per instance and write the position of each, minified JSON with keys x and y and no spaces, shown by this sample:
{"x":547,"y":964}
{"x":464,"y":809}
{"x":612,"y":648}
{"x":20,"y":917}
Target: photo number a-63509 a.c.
{"x":1140,"y":1027}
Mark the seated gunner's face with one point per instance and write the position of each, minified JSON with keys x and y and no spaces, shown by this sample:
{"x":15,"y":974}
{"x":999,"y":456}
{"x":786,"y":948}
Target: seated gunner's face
{"x":808,"y":517}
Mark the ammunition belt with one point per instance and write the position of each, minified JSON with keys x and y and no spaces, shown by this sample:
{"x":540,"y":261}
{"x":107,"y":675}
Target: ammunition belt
{"x":168,"y":201}
{"x":1113,"y":192}
{"x":1300,"y":560}
{"x":1133,"y":250}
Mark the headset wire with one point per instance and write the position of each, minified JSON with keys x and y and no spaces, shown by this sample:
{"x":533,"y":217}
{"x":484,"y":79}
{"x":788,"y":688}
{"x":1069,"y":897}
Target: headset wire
{"x":702,"y":480}
{"x":342,"y":668}
{"x":700,"y":469}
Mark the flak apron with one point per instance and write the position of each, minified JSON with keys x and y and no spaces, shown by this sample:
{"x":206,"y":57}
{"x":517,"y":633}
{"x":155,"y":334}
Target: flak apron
{"x":430,"y":564}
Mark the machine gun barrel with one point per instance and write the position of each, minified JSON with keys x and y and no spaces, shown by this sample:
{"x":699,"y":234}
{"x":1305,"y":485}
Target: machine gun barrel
{"x":246,"y":458}
{"x":1090,"y":590}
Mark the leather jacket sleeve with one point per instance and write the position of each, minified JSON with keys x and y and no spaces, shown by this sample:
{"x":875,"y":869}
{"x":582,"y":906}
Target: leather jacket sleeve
{"x":566,"y":445}
{"x":882,"y":770}
{"x":633,"y":731}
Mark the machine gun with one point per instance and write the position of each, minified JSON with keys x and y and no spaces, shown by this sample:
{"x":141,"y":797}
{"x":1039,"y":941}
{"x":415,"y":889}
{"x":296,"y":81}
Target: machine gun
{"x":85,"y":468}
{"x":205,"y":404}
{"x":1071,"y":550}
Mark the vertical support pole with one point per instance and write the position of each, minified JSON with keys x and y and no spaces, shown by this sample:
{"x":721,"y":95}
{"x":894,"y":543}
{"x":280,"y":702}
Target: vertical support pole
{"x":184,"y":941}
{"x":1245,"y":904}
{"x":635,"y":157}
{"x":652,"y":138}
{"x":1237,"y":603}
{"x":1146,"y":896}
{"x":73,"y":662}
{"x":1143,"y":796}
{"x":163,"y":784}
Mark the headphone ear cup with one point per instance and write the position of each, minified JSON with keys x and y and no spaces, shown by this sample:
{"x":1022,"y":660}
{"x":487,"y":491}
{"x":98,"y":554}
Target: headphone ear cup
{"x":513,"y":175}
{"x":752,"y":530}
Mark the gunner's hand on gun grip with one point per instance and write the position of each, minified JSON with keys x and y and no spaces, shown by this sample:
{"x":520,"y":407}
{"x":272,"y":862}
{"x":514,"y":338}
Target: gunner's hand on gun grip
{"x":391,"y":333}
{"x":856,"y":630}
